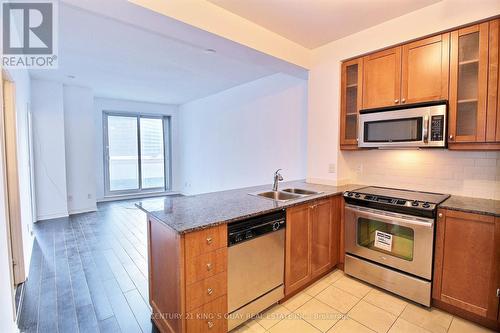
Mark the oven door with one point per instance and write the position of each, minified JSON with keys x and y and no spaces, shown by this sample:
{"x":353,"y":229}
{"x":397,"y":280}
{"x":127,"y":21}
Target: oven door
{"x":395,"y":240}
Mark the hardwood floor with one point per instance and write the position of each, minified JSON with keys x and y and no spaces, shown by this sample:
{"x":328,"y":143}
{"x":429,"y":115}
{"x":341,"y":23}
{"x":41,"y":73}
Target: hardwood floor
{"x":88,"y":273}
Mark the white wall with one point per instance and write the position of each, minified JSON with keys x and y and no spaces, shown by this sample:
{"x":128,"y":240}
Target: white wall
{"x":474,"y":174}
{"x":49,"y":146}
{"x":114,"y":105}
{"x":240,"y":136}
{"x":80,"y":146}
{"x":324,"y":91}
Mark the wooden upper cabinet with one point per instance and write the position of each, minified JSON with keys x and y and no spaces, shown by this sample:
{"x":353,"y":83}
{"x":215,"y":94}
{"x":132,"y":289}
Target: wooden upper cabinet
{"x":468,"y":84}
{"x":462,"y":66}
{"x":493,"y":103}
{"x":425,"y":70}
{"x":467,"y":262}
{"x":351,"y":101}
{"x":382,"y":78}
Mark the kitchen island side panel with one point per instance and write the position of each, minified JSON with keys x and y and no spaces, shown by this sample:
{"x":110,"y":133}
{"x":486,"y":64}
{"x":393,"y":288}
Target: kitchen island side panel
{"x":166,"y":276}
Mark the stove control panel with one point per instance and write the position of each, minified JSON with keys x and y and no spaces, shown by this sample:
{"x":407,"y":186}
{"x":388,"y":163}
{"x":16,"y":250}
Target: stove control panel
{"x":390,"y":201}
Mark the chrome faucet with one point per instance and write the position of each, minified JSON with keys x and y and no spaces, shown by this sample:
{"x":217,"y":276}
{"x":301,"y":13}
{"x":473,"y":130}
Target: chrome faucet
{"x":277,"y":178}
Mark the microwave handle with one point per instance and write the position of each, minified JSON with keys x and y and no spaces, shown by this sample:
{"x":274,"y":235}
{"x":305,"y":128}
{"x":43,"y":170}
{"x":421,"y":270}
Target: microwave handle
{"x":426,"y":128}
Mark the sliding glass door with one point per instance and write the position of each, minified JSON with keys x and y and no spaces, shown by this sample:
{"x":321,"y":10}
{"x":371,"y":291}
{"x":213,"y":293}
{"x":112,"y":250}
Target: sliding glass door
{"x":136,"y":153}
{"x":123,"y":154}
{"x":152,"y":153}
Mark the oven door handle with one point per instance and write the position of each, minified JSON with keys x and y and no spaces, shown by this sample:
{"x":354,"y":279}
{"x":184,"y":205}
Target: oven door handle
{"x":392,"y":218}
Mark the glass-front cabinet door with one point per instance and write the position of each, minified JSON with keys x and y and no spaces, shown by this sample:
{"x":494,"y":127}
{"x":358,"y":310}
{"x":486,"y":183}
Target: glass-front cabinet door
{"x":468,"y":84}
{"x":351,"y":98}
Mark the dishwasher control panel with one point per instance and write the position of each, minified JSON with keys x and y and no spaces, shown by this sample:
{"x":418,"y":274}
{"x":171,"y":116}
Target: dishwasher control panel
{"x":242,"y":231}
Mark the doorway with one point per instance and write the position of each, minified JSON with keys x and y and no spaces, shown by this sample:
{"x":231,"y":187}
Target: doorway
{"x":10,"y":176}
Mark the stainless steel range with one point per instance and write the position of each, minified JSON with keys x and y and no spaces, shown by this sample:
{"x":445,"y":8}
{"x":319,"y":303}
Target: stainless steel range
{"x":389,"y":239}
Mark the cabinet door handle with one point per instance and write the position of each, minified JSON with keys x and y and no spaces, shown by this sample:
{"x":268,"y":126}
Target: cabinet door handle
{"x":440,"y":215}
{"x":210,"y":291}
{"x":451,"y":137}
{"x":209,"y":240}
{"x":403,"y":100}
{"x":210,"y":324}
{"x":396,"y":101}
{"x":209,"y":266}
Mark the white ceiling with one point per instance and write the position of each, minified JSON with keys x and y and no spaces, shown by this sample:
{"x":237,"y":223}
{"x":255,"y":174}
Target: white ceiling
{"x":118,"y":57}
{"x":312,"y":23}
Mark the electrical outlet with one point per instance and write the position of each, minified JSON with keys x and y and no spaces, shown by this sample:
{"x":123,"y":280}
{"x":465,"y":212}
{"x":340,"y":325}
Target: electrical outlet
{"x":332,"y":168}
{"x":359,"y":168}
{"x":89,"y":196}
{"x":70,"y":198}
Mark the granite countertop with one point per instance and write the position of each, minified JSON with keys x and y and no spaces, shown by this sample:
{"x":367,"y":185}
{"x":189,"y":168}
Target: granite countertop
{"x":472,"y":205}
{"x":190,"y":213}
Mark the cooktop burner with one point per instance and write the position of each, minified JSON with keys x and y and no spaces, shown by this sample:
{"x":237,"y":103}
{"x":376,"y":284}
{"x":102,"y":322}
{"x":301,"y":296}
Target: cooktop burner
{"x":405,"y":201}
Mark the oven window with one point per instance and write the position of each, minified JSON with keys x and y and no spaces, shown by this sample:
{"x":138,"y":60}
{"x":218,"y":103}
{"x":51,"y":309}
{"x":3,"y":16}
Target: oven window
{"x":386,"y":238}
{"x":394,"y":130}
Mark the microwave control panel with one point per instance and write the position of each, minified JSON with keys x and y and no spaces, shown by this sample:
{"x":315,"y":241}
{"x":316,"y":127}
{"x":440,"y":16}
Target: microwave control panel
{"x":437,"y":128}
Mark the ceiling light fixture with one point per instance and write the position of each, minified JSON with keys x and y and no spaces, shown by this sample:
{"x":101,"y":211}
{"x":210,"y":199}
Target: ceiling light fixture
{"x":210,"y":51}
{"x":71,"y":77}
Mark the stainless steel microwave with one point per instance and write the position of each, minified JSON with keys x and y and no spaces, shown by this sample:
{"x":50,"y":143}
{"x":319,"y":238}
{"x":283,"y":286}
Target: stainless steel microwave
{"x":414,"y":127}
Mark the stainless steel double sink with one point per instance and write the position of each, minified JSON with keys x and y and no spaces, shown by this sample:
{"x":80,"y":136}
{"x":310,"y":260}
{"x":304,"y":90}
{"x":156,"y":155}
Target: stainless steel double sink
{"x":286,"y":194}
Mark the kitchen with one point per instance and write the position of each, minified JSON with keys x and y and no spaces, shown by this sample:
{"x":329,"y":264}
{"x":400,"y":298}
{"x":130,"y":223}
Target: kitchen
{"x":226,"y":166}
{"x":435,"y":92}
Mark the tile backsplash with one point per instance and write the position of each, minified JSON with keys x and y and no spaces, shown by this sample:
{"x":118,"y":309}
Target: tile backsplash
{"x":473,"y":174}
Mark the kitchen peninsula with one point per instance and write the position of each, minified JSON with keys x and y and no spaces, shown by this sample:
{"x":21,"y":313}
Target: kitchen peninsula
{"x":188,"y":247}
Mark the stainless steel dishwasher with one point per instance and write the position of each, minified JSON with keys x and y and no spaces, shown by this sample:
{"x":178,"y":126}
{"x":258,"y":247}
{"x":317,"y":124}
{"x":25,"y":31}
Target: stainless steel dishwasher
{"x":256,"y":264}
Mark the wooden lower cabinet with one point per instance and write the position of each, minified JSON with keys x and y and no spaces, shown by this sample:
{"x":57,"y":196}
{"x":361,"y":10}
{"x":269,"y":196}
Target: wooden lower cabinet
{"x":205,"y":291}
{"x":312,"y":242}
{"x":209,"y":317}
{"x":297,"y":248}
{"x":325,"y":228}
{"x":188,"y":279}
{"x":467,"y":265}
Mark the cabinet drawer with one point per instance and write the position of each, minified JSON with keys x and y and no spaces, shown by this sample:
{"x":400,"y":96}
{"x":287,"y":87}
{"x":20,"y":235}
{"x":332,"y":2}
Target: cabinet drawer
{"x":210,"y":317}
{"x":205,"y":291}
{"x":206,"y":240}
{"x":206,"y":265}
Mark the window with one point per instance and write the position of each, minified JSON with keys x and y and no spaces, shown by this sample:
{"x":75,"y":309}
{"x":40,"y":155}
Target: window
{"x":402,"y":238}
{"x":136,"y":153}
